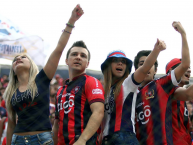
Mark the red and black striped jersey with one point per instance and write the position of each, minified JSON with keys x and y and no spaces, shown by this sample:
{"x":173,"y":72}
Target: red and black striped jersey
{"x":120,"y":112}
{"x":73,"y":102}
{"x":180,"y":123}
{"x":154,"y":114}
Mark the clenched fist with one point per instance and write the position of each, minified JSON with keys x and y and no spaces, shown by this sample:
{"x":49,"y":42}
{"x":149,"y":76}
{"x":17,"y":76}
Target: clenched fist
{"x":160,"y":45}
{"x":178,"y":27}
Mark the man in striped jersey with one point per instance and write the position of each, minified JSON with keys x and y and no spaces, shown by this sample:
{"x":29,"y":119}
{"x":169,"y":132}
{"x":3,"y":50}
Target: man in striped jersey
{"x":153,"y":107}
{"x":80,"y":102}
{"x":180,"y":120}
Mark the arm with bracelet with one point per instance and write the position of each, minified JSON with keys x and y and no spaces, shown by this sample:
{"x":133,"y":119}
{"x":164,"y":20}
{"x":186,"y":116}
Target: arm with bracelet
{"x":53,"y":60}
{"x":76,"y":14}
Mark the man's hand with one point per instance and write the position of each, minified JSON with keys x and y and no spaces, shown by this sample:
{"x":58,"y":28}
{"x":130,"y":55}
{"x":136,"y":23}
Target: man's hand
{"x":160,"y":45}
{"x":76,"y":13}
{"x":80,"y":141}
{"x":178,"y":27}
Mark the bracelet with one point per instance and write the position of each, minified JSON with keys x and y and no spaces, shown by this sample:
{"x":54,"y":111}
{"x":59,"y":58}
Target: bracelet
{"x":70,"y":25}
{"x":66,"y":31}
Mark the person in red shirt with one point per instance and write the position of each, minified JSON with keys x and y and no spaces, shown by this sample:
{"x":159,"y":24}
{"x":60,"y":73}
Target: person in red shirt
{"x":153,"y":107}
{"x":120,"y":95}
{"x":80,"y":102}
{"x":59,"y":79}
{"x":180,"y":120}
{"x":3,"y":103}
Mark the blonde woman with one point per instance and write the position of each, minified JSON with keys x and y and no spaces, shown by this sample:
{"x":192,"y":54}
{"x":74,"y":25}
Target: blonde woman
{"x":27,"y":94}
{"x":120,"y":95}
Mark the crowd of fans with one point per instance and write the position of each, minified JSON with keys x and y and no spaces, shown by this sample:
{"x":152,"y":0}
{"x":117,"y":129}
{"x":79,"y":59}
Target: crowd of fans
{"x":56,"y":82}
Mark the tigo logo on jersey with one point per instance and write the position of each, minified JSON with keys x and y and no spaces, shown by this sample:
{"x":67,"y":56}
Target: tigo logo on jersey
{"x":143,"y":116}
{"x":67,"y":105}
{"x":97,"y":91}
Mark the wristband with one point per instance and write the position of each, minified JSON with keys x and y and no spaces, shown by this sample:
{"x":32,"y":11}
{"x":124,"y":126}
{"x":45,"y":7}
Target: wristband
{"x":66,"y":31}
{"x":70,"y":25}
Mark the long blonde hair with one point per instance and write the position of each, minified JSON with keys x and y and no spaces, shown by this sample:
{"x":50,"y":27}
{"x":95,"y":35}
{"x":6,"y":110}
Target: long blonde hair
{"x":14,"y":84}
{"x":108,"y":81}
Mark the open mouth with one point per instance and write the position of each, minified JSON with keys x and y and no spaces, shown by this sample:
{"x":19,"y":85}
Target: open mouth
{"x":119,"y":69}
{"x":188,"y":76}
{"x":18,"y":62}
{"x":77,"y":63}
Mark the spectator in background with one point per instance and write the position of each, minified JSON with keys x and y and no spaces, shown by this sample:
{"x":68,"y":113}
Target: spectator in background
{"x":3,"y":104}
{"x":59,"y":79}
{"x":56,"y":86}
{"x":1,"y":96}
{"x":3,"y":78}
{"x":52,"y":115}
{"x":101,"y":80}
{"x":5,"y":83}
{"x":2,"y":90}
{"x":1,"y":85}
{"x":53,"y":92}
{"x":3,"y":123}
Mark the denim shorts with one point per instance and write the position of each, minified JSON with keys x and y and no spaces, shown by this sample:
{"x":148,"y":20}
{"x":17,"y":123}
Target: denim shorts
{"x":121,"y":138}
{"x":44,"y":138}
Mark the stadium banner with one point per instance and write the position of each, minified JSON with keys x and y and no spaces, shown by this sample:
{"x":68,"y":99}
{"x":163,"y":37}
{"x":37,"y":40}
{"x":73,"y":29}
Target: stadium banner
{"x":13,"y":42}
{"x":32,"y":45}
{"x":9,"y":30}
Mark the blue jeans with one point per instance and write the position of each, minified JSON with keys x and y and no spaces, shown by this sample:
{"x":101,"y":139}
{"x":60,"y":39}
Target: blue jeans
{"x":44,"y":138}
{"x":121,"y":138}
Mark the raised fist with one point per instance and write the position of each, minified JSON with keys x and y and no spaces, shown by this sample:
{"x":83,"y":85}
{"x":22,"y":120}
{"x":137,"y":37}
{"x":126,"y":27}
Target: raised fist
{"x":77,"y":13}
{"x":178,"y":27}
{"x":160,"y":45}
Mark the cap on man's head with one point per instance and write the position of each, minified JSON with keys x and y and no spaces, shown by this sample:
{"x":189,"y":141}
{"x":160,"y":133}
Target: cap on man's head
{"x":172,"y":63}
{"x":117,"y":54}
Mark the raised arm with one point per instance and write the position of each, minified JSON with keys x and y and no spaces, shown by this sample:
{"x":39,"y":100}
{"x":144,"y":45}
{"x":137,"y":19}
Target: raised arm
{"x":52,"y":63}
{"x":142,"y":71}
{"x":184,"y":94}
{"x":185,"y":64}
